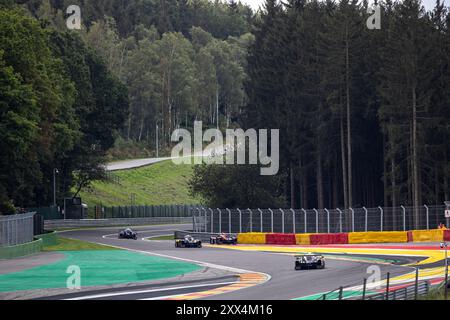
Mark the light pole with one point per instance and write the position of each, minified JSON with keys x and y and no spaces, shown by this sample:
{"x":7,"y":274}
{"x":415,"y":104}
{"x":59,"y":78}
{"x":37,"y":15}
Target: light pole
{"x":55,"y":172}
{"x":444,"y":246}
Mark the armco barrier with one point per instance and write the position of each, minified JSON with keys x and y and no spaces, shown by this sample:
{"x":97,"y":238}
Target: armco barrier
{"x":54,"y":224}
{"x":303,"y":238}
{"x":21,"y":250}
{"x":252,"y":238}
{"x":378,"y":237}
{"x":281,"y":238}
{"x":48,"y":239}
{"x":329,"y":238}
{"x":427,"y":235}
{"x":446,"y":235}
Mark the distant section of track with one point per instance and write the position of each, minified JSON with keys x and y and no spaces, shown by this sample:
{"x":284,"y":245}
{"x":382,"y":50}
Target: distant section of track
{"x":285,"y":282}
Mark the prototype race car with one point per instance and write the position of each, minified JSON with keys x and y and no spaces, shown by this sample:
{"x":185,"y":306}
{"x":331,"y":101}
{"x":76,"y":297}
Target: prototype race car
{"x":127,"y":234}
{"x":188,"y":242}
{"x":309,"y":261}
{"x":223,"y":239}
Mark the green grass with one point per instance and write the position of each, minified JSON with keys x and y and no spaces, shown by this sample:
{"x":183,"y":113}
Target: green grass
{"x":435,"y":294}
{"x":65,"y":244}
{"x":159,"y":184}
{"x":171,"y":237}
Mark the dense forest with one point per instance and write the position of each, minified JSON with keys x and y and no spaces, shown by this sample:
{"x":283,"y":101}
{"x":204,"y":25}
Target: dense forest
{"x":364,"y":114}
{"x":180,"y":60}
{"x":137,"y":69}
{"x":60,"y":107}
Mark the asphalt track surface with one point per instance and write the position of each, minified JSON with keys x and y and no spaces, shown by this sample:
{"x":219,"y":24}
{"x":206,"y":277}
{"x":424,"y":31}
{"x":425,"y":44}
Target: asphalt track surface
{"x":285,"y":283}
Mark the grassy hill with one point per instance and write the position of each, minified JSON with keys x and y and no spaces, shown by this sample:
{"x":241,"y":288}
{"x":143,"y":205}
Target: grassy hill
{"x":158,"y":184}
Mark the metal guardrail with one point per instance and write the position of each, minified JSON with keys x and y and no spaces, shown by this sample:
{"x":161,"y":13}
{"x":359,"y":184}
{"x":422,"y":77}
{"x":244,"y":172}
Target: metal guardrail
{"x":384,"y":291}
{"x":318,"y":220}
{"x":16,"y":229}
{"x":147,"y":211}
{"x":405,"y":293}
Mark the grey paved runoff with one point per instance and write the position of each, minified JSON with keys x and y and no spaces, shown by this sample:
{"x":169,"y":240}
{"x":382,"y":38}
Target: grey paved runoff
{"x":285,"y":283}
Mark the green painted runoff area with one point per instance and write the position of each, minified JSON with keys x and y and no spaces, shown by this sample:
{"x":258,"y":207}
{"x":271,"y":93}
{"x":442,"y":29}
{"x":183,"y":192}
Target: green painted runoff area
{"x":98,"y":267}
{"x":334,"y":295}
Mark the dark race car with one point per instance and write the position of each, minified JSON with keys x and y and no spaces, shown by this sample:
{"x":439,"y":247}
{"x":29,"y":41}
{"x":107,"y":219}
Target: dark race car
{"x":188,"y":242}
{"x":127,"y":234}
{"x":223,"y":239}
{"x":309,"y":261}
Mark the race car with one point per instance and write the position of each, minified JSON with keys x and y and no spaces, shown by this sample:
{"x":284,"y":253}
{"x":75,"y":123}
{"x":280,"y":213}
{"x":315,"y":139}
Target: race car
{"x":223,"y":238}
{"x":127,"y":234}
{"x":309,"y":261}
{"x":188,"y":242}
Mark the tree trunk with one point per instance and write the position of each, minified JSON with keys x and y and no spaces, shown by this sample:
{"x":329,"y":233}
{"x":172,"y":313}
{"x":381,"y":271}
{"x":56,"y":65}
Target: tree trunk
{"x":349,"y":120}
{"x":415,"y":160}
{"x":344,"y":165}
{"x":292,"y":187}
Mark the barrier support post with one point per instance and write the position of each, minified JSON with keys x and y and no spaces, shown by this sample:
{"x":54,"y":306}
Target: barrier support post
{"x":271,"y":219}
{"x":282,"y":220}
{"x":261,"y":219}
{"x":328,"y":220}
{"x":404,"y":218}
{"x":306,"y":221}
{"x":251,"y":220}
{"x":340,"y":219}
{"x":293,"y":221}
{"x":381,"y":219}
{"x":240,"y":220}
{"x":428,"y":216}
{"x":220,"y":221}
{"x":317,"y":220}
{"x":229,"y":220}
{"x":341,"y":289}
{"x":353,"y":219}
{"x":365,"y":217}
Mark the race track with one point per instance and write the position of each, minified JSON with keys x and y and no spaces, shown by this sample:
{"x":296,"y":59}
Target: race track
{"x":284,"y":283}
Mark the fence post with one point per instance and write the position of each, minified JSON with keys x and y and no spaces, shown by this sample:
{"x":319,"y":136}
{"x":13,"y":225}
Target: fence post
{"x":282,"y":220}
{"x":271,"y":217}
{"x":404,"y":218}
{"x":220,"y":220}
{"x":251,"y":219}
{"x":416,"y":291}
{"x":293,"y":220}
{"x":306,"y":222}
{"x":340,"y":219}
{"x":240,"y":220}
{"x":261,"y":220}
{"x":364,"y":289}
{"x":206,"y":220}
{"x":317,"y":220}
{"x":229,"y":220}
{"x":387,"y":285}
{"x":382,"y":213}
{"x":428,"y":216}
{"x":212,"y":220}
{"x":328,"y":220}
{"x":353,"y":219}
{"x":365,"y":217}
{"x":194,"y":222}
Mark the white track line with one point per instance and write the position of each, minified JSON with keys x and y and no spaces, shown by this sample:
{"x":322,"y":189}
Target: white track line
{"x":115,"y":234}
{"x":126,"y":293}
